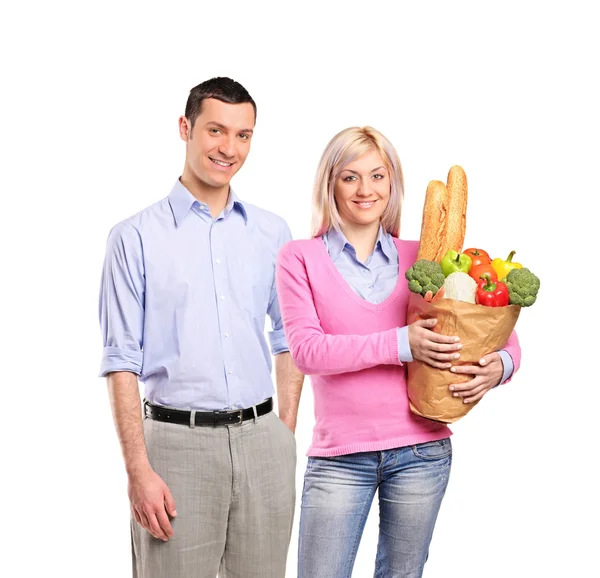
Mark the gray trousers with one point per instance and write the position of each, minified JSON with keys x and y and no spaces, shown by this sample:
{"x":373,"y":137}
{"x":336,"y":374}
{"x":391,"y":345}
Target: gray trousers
{"x":234,"y":490}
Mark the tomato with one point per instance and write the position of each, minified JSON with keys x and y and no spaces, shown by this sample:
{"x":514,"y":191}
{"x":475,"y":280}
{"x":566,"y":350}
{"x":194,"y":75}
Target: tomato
{"x":477,"y":272}
{"x":478,"y":257}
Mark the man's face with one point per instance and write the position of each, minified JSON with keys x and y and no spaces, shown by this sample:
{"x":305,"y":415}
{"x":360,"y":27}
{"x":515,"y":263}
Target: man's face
{"x":219,"y":143}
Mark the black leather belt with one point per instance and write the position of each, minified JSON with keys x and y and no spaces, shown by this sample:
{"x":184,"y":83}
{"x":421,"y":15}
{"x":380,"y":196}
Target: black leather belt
{"x":206,"y":418}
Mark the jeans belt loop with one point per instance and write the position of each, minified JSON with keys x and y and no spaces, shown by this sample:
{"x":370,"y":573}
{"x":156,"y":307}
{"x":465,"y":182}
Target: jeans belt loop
{"x":255,"y":413}
{"x":193,"y":418}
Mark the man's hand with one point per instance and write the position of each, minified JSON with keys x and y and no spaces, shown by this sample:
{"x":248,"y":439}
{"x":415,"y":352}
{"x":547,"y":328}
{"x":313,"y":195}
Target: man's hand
{"x":486,"y":376}
{"x":152,"y":503}
{"x":290,"y":421}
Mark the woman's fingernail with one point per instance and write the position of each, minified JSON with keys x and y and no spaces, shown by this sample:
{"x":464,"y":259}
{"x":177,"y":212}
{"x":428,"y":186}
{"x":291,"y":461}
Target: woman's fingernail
{"x":451,"y":388}
{"x":453,"y":369}
{"x":482,"y":362}
{"x":457,"y":355}
{"x":456,"y":339}
{"x":455,"y":394}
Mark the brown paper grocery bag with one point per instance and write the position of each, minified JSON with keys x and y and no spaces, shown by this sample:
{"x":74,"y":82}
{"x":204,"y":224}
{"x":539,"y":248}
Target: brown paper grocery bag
{"x":481,"y":330}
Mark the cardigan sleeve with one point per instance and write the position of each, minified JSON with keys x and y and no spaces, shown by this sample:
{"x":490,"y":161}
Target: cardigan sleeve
{"x":513,"y":348}
{"x":314,"y":351}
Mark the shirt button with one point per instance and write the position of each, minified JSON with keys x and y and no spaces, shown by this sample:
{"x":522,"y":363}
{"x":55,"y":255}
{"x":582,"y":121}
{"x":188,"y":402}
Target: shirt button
{"x":218,"y":261}
{"x":226,"y":334}
{"x":222,"y":297}
{"x":230,"y":372}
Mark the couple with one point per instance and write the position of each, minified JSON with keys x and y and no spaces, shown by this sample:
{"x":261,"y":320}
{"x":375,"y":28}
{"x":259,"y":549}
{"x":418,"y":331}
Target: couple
{"x":186,"y":286}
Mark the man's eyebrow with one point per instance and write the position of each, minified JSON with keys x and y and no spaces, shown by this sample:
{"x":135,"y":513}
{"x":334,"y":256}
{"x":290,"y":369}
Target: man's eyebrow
{"x":377,"y":169}
{"x":222,"y":126}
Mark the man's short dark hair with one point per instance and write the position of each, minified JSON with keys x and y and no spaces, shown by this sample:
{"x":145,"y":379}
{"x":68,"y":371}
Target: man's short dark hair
{"x":223,"y":89}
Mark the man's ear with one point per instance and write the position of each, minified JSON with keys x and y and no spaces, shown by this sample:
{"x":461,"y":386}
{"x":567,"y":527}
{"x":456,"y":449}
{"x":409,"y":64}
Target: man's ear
{"x":185,"y":129}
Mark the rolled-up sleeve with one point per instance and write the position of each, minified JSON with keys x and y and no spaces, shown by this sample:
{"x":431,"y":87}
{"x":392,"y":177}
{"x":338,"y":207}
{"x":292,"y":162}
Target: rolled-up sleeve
{"x":277,"y":339}
{"x":121,"y":305}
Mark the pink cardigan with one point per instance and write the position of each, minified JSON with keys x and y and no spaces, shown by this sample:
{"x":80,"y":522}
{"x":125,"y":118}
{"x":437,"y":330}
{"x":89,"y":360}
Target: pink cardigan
{"x":349,"y":348}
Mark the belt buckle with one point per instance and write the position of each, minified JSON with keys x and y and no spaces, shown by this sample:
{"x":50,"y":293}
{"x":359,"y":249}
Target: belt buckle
{"x":231,"y":413}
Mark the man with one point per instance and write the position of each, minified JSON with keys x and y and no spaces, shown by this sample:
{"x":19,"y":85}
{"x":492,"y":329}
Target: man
{"x":186,"y":286}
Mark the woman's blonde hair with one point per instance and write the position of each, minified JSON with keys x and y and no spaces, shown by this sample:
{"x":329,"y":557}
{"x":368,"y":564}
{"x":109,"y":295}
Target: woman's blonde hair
{"x":343,"y":148}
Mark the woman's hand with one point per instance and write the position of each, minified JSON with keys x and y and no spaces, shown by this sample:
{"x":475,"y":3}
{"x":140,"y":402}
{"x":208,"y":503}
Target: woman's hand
{"x":486,"y":376}
{"x":432,"y":348}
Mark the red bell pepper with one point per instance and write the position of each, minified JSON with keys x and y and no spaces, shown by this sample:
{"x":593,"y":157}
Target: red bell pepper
{"x":491,"y":293}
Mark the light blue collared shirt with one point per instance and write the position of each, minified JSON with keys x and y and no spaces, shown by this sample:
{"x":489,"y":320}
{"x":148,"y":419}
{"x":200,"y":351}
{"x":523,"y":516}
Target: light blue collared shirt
{"x":375,"y":279}
{"x":183,"y":302}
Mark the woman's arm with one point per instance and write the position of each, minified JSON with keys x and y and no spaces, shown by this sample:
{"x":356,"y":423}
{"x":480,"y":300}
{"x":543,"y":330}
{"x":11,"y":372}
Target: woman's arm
{"x":513,"y":348}
{"x":314,"y":351}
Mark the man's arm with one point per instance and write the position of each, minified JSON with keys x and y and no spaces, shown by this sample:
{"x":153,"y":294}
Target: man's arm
{"x":150,"y":497}
{"x":288,"y":378}
{"x":122,"y":299}
{"x":127,"y":414}
{"x":289,"y":382}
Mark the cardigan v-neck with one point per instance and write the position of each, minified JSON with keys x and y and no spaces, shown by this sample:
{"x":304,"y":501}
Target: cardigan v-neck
{"x":357,"y":298}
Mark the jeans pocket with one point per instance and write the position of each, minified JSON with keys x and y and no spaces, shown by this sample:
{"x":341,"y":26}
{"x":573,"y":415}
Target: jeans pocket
{"x":434,"y":450}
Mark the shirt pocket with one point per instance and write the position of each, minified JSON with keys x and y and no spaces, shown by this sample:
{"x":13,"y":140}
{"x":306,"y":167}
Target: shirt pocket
{"x":251,"y":279}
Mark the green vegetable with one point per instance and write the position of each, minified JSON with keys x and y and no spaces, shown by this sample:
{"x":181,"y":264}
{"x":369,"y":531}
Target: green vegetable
{"x":523,"y":287}
{"x":425,"y":276}
{"x":454,"y":262}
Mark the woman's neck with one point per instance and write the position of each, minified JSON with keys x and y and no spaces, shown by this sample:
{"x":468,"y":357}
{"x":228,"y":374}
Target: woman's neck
{"x":362,"y":238}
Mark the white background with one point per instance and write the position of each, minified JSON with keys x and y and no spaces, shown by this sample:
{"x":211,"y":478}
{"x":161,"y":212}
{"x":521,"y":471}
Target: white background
{"x":91,"y":97}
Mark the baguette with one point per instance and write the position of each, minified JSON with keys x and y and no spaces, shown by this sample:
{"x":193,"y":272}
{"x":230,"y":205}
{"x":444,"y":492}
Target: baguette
{"x":457,"y":209}
{"x":444,"y":220}
{"x":434,"y":222}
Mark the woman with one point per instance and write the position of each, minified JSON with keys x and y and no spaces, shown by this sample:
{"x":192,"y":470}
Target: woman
{"x":343,"y":298}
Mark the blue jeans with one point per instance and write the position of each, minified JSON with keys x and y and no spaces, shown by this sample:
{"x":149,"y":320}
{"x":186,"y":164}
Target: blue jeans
{"x":337,"y":496}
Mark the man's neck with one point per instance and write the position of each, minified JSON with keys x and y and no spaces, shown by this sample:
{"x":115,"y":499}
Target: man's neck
{"x":214,"y":197}
{"x":362,"y":238}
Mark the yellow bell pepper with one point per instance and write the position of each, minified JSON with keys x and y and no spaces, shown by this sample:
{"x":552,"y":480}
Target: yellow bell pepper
{"x":502,"y":267}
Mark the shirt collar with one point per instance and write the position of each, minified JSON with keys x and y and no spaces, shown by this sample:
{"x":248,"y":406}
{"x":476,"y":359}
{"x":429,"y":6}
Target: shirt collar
{"x":234,"y":202}
{"x":386,"y":243}
{"x":181,"y":201}
{"x":336,"y":241}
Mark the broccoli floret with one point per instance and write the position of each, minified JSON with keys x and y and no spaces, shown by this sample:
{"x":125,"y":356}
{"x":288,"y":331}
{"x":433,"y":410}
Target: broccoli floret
{"x":425,"y":276}
{"x":523,"y":287}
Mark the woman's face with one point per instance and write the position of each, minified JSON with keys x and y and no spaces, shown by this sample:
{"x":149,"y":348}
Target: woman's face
{"x":362,"y":190}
